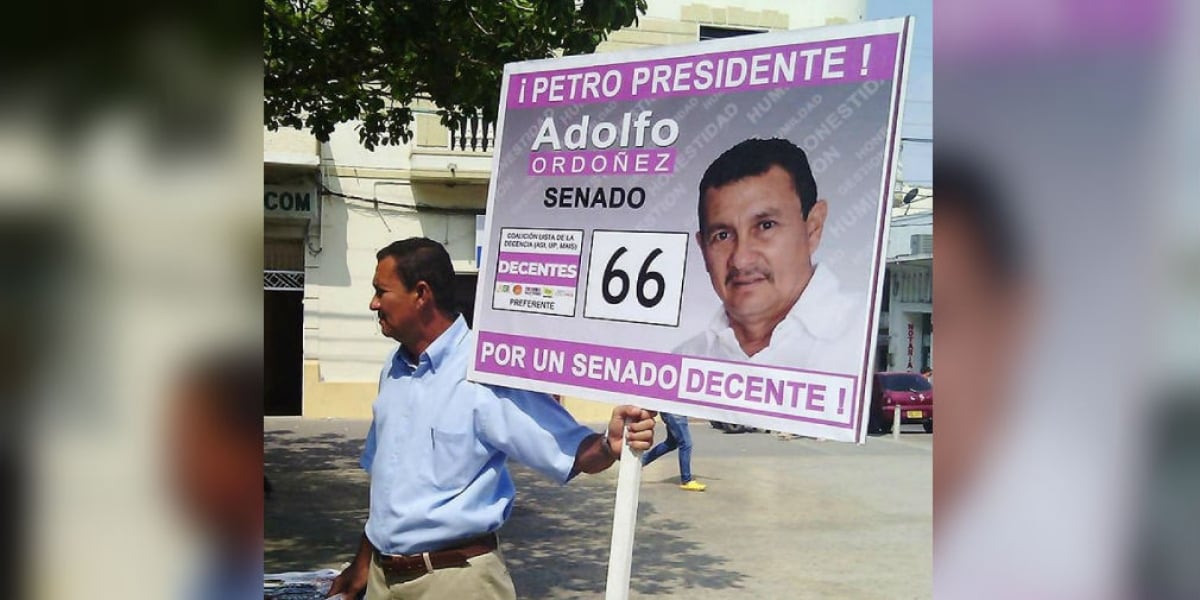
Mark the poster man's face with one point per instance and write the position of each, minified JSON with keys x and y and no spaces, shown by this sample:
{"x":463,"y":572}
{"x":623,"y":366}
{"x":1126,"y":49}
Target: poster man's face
{"x":758,"y":246}
{"x":394,"y":304}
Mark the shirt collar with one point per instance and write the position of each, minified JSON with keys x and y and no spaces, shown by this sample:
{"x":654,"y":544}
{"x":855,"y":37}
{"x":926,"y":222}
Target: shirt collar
{"x":440,"y":350}
{"x":811,"y":310}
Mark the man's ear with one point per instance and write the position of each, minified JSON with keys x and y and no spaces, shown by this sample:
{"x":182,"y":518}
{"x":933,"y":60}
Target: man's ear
{"x":815,"y":224}
{"x":422,"y":291}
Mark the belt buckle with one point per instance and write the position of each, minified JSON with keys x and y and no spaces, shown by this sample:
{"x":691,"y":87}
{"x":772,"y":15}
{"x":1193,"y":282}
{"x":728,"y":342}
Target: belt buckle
{"x":404,"y":563}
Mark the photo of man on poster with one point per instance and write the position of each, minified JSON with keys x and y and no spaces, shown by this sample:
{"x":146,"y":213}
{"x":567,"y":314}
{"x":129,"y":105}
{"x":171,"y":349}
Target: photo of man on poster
{"x":760,"y":223}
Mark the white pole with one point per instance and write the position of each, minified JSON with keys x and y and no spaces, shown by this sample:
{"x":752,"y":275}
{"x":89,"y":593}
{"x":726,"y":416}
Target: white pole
{"x":896,"y":422}
{"x":620,"y":553}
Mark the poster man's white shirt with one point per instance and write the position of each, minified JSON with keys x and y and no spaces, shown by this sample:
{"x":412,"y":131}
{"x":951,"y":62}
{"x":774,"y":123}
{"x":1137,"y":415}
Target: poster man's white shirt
{"x":816,"y":334}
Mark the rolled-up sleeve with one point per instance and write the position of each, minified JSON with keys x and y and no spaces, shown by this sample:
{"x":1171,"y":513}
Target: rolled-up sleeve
{"x":530,"y":427}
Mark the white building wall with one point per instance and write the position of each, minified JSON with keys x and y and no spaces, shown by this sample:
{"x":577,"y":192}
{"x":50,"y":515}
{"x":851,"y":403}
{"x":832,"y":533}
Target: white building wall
{"x":344,"y":150}
{"x":290,"y":146}
{"x":811,"y":13}
{"x":901,"y":231}
{"x":341,"y":331}
{"x":911,"y":291}
{"x":900,"y":317}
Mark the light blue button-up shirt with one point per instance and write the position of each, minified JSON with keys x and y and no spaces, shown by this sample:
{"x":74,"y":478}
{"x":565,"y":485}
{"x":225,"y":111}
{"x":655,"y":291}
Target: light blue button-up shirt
{"x":437,"y":448}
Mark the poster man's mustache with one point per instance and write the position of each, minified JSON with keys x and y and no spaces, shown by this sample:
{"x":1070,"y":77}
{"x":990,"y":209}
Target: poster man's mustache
{"x":747,"y":273}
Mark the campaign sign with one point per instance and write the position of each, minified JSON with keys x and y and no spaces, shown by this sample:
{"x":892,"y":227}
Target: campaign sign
{"x":697,"y":229}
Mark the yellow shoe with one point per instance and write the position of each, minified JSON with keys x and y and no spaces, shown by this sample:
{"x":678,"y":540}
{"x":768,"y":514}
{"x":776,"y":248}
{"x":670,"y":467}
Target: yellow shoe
{"x":693,"y":486}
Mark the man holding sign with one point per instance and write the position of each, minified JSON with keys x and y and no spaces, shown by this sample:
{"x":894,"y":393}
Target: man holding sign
{"x":438,"y":445}
{"x":760,"y":224}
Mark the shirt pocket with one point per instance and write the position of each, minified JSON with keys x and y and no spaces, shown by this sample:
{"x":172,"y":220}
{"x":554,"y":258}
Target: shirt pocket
{"x":456,"y":458}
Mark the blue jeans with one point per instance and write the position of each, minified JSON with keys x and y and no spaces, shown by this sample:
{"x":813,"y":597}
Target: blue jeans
{"x":679,"y":437}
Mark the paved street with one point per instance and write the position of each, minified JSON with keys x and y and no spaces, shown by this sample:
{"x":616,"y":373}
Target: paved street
{"x":782,"y":518}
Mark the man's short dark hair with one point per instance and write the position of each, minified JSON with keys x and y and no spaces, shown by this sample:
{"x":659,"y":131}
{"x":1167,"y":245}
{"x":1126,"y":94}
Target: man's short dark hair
{"x":754,"y":157}
{"x":422,"y":259}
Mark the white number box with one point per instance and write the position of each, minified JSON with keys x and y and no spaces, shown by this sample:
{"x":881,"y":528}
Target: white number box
{"x":636,"y":276}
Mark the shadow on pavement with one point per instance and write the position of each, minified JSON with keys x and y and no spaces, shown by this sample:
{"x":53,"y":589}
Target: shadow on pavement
{"x":557,"y":540}
{"x":555,"y":543}
{"x":318,"y":504}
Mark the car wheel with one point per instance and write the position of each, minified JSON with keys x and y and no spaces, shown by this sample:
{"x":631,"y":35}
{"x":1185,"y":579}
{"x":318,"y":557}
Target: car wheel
{"x":928,"y":425}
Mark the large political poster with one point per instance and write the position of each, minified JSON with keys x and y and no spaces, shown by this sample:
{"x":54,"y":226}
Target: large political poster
{"x":697,"y":229}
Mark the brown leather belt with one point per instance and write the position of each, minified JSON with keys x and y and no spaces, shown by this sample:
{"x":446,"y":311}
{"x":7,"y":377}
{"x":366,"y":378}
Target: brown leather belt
{"x":427,"y":562}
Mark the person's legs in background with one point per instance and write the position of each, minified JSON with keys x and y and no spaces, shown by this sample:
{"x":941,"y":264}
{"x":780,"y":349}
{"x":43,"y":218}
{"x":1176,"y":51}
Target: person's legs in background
{"x":677,"y":426}
{"x":666,"y":446}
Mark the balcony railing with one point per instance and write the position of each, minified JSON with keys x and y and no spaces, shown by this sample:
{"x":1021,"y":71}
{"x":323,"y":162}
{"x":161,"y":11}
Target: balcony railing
{"x":473,"y":135}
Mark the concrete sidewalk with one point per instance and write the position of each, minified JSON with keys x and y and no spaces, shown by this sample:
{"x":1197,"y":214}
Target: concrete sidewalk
{"x":782,"y":518}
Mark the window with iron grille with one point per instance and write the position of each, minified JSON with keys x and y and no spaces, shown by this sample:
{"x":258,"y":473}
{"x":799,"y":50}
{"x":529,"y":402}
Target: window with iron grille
{"x":921,"y":243}
{"x":283,"y":281}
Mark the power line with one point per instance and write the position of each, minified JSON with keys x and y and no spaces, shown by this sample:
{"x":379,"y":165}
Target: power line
{"x":413,"y":207}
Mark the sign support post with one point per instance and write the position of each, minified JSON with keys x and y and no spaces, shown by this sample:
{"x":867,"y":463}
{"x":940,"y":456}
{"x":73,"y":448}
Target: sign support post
{"x":620,"y":554}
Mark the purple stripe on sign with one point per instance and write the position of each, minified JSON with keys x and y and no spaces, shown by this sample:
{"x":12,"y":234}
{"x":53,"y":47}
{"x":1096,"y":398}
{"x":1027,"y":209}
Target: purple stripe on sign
{"x":538,"y":269}
{"x":767,"y":413}
{"x":620,"y":370}
{"x":601,"y":162}
{"x":850,"y":60}
{"x":730,"y":368}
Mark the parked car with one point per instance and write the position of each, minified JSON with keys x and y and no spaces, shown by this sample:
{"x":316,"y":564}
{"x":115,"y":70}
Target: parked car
{"x":911,"y":391}
{"x":732,"y":428}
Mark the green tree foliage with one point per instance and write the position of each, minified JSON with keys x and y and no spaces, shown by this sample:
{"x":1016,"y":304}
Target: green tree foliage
{"x":332,"y":61}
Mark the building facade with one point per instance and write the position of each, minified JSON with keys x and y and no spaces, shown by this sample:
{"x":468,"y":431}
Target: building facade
{"x":906,"y":319}
{"x":329,"y":207}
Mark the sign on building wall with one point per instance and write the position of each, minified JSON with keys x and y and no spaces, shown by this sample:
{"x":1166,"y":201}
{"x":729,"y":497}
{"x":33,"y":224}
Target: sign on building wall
{"x":480,"y":238}
{"x":697,"y":229}
{"x":290,"y":201}
{"x":911,"y":334}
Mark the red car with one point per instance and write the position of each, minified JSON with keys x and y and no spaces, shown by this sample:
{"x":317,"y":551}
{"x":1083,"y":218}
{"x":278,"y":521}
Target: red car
{"x":911,"y":391}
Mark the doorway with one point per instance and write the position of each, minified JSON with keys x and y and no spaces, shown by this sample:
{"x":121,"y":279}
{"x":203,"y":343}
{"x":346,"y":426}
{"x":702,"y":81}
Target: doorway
{"x":283,"y":327}
{"x":283,"y":347}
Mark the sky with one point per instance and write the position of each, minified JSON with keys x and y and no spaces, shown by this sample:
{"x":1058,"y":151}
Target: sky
{"x":916,"y":157}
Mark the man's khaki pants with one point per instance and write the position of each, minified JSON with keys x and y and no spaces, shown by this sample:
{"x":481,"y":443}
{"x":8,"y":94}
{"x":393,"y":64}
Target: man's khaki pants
{"x":485,"y":578}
